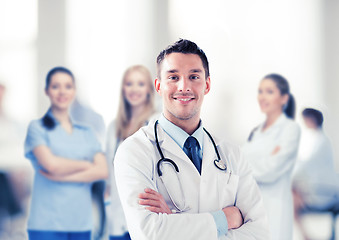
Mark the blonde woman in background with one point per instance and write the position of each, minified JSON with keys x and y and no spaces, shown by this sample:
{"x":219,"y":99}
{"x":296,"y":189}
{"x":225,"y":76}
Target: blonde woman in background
{"x":136,"y":106}
{"x":272,"y":151}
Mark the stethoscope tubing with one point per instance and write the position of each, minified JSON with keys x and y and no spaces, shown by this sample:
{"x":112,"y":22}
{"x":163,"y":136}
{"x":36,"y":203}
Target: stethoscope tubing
{"x":218,"y":163}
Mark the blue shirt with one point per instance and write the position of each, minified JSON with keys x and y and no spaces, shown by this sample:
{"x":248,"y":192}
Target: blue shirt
{"x":60,"y":206}
{"x":180,"y":136}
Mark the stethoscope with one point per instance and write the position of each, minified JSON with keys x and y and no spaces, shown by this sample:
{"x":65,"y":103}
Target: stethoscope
{"x":217,"y":162}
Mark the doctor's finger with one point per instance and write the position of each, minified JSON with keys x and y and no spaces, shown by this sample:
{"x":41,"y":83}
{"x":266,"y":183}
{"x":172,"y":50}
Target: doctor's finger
{"x":155,"y":209}
{"x":151,"y":191}
{"x":152,"y":203}
{"x":154,"y":193}
{"x":148,"y":196}
{"x":159,"y":210}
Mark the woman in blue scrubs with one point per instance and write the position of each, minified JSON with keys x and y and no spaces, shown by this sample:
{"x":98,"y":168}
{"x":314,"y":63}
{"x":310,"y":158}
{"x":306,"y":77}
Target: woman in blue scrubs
{"x":67,"y":158}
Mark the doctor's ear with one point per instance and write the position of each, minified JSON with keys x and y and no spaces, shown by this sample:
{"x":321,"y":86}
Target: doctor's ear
{"x":208,"y":85}
{"x":157,"y":85}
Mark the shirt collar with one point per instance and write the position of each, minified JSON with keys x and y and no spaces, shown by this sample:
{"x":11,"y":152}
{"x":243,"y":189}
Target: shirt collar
{"x":179,"y":135}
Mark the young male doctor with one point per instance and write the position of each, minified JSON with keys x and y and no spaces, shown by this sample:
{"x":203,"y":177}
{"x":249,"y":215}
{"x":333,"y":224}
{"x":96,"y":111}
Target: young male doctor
{"x":175,"y":180}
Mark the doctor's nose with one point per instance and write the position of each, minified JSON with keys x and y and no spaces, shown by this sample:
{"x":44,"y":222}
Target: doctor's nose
{"x":184,"y":85}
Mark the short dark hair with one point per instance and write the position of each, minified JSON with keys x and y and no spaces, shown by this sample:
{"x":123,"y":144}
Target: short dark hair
{"x":186,"y":47}
{"x":315,"y":115}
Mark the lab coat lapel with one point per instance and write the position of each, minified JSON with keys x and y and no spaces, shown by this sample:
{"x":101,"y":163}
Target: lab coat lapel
{"x":209,"y":154}
{"x":171,"y":147}
{"x":167,"y":144}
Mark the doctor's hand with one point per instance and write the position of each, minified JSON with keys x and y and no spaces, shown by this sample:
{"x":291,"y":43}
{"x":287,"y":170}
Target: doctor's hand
{"x":154,"y":201}
{"x":233,"y":216}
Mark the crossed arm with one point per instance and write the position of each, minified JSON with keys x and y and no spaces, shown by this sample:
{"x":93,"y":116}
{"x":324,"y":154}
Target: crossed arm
{"x":155,"y":202}
{"x":70,"y":170}
{"x":148,"y":217}
{"x":281,"y":160}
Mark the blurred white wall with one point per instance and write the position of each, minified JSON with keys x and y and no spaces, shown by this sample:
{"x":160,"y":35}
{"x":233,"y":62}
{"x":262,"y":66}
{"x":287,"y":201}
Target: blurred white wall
{"x":104,"y":38}
{"x":330,"y":81}
{"x":244,"y":40}
{"x":18,"y":34}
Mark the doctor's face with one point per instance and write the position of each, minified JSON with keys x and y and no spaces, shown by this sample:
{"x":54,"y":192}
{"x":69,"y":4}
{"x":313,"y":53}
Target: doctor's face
{"x":269,"y":97}
{"x":182,"y":86}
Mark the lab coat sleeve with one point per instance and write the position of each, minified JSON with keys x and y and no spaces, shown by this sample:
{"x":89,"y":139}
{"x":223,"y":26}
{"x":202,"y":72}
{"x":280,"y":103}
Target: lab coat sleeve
{"x":249,"y":202}
{"x":270,"y":168}
{"x":134,"y":171}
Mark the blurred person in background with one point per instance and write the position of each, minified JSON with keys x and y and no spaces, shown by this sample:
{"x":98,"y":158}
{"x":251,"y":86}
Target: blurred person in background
{"x":136,"y":106}
{"x":315,"y":181}
{"x":15,"y":177}
{"x":67,"y":158}
{"x":272,"y":150}
{"x":84,"y":114}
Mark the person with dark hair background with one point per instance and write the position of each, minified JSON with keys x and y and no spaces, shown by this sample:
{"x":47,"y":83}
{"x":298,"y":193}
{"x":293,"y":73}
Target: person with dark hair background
{"x":67,"y":158}
{"x":315,"y":181}
{"x":272,"y":150}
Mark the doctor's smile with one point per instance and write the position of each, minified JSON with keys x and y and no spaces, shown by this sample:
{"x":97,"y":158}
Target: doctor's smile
{"x":184,"y":98}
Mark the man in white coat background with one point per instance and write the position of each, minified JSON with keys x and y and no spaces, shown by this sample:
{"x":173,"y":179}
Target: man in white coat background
{"x":174,"y":179}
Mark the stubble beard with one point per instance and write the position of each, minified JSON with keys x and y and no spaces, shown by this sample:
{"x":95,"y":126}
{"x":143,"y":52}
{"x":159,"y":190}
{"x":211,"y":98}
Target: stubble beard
{"x":184,"y":117}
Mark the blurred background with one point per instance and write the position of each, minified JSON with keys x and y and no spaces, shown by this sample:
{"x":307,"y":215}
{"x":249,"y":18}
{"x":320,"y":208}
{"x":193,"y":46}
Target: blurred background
{"x":98,"y":40}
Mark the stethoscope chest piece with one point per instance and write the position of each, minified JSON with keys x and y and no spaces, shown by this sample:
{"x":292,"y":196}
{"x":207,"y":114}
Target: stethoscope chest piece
{"x":220,"y":165}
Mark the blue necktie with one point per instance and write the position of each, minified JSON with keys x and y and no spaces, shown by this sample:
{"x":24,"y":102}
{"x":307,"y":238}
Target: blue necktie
{"x":191,"y":148}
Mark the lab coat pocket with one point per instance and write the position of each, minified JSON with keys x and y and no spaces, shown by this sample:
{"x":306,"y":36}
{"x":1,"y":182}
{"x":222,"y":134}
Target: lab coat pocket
{"x":228,"y":185}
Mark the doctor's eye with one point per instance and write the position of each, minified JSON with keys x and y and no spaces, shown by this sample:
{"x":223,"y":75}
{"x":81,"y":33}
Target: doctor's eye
{"x":194,"y":77}
{"x":173,"y":78}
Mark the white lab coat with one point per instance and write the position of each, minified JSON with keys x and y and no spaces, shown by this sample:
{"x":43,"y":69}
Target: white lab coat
{"x":116,"y":219}
{"x":135,"y":169}
{"x":273,"y":172}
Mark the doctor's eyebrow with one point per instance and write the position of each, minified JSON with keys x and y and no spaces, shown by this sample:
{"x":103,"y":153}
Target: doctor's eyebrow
{"x":172,"y":71}
{"x":197,"y":70}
